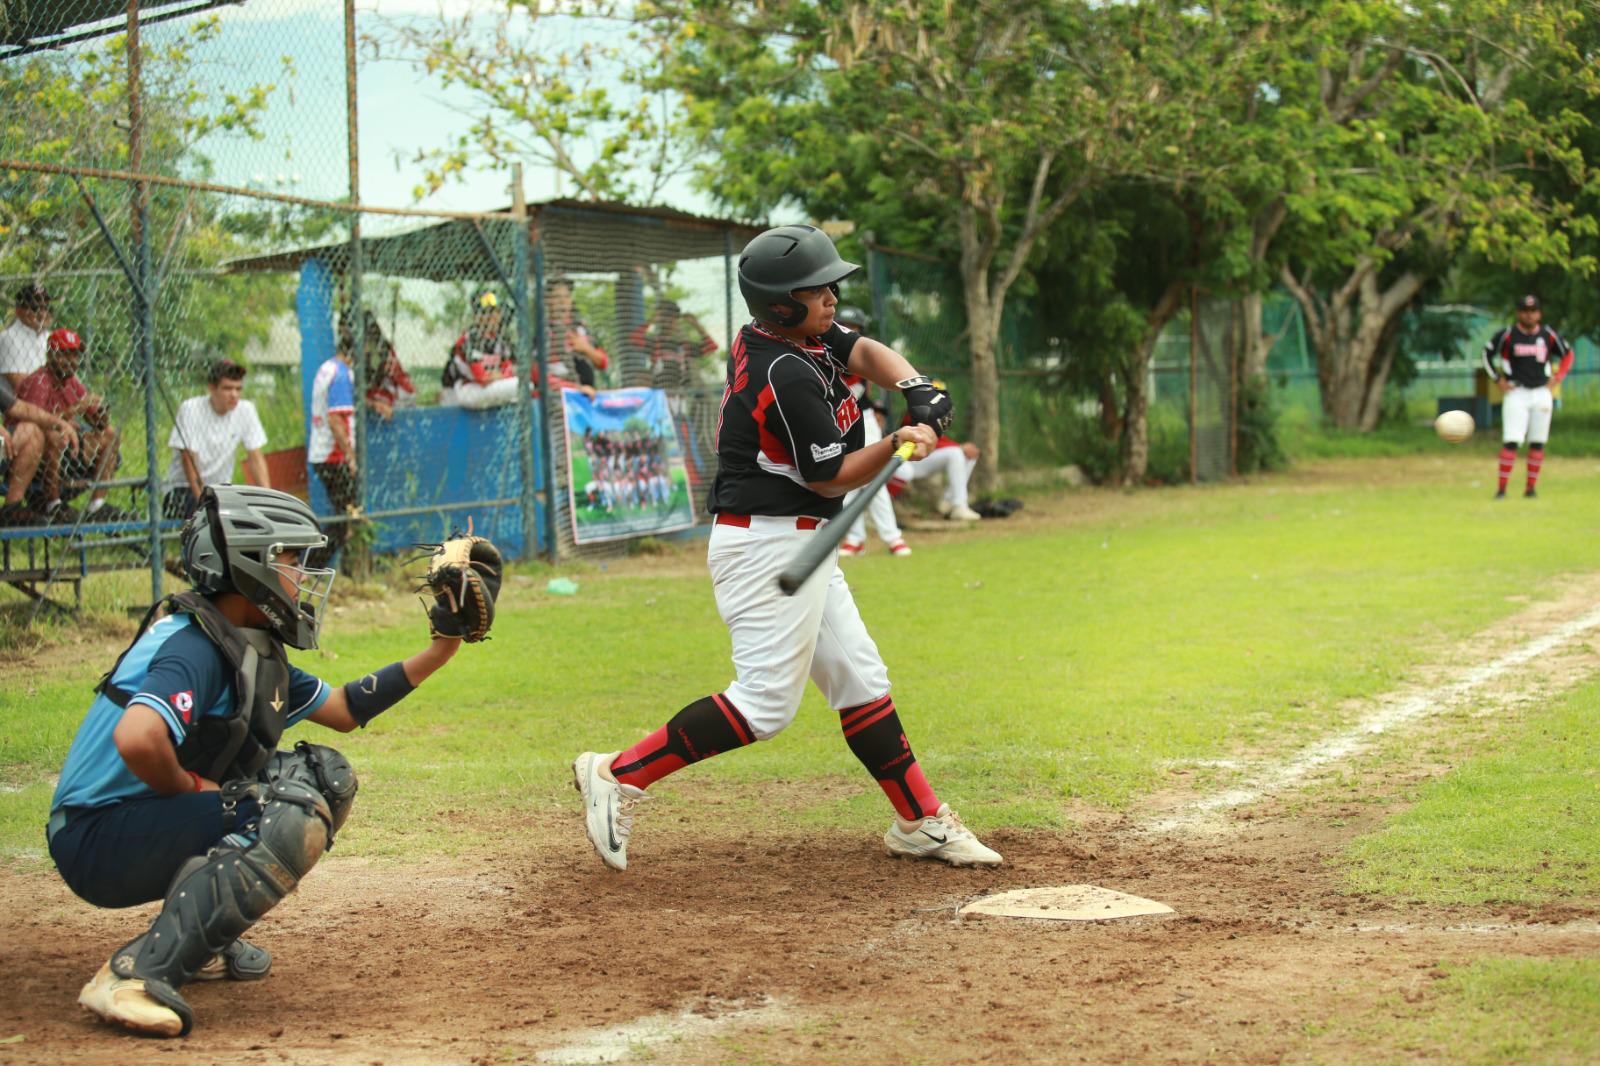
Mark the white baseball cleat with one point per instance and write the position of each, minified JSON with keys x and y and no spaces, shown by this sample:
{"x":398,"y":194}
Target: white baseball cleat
{"x":608,"y":808}
{"x":962,"y":514}
{"x":899,"y":547}
{"x":123,"y":1001}
{"x":941,"y":836}
{"x":851,"y":548}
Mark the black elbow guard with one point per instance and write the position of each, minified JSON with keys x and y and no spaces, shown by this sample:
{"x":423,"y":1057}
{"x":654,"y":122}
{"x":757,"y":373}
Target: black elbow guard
{"x":377,"y":692}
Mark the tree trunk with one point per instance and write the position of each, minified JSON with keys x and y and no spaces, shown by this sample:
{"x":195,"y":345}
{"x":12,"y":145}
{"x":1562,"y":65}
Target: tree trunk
{"x":983,"y":335}
{"x":1134,"y":458}
{"x":1351,"y":330}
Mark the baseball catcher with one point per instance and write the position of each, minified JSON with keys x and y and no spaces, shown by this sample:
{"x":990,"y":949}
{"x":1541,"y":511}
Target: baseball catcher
{"x":178,"y":786}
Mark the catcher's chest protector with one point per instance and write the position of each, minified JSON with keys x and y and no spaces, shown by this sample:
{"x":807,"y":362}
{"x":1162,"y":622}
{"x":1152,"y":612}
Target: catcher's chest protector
{"x":238,"y":744}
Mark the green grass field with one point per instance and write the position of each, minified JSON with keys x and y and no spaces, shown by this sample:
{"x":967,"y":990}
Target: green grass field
{"x":1070,"y":662}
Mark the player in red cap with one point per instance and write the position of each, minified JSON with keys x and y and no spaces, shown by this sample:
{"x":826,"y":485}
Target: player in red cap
{"x":55,"y":388}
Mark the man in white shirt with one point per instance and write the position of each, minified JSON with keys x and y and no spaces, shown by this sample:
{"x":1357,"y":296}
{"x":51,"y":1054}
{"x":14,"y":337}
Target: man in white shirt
{"x":22,"y":342}
{"x":207,"y":436}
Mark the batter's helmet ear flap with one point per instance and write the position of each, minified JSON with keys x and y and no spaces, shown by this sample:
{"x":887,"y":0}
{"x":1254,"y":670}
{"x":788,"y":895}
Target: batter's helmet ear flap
{"x":785,"y":259}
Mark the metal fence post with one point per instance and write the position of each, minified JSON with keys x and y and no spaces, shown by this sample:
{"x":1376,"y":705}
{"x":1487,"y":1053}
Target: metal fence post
{"x":358,"y":322}
{"x":727,"y":286}
{"x":524,"y":352}
{"x":144,"y":326}
{"x":541,"y":340}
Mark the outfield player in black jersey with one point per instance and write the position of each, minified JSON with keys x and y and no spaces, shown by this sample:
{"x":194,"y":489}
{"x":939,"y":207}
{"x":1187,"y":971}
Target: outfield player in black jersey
{"x":1525,"y":360}
{"x":789,"y":446}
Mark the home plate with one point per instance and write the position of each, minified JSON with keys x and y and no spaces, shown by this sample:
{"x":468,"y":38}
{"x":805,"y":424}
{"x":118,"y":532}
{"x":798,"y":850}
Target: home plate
{"x":1065,"y":903}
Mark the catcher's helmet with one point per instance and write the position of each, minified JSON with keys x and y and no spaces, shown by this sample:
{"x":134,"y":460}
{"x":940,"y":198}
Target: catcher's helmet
{"x":852,"y":318}
{"x":781,"y":260}
{"x":230,"y":543}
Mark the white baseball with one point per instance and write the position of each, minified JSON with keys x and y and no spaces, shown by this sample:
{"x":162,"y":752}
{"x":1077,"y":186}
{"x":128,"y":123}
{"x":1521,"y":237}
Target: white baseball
{"x":1454,"y":426}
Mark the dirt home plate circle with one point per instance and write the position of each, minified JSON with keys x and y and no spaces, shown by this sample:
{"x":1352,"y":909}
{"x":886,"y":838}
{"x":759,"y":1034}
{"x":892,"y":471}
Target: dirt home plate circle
{"x":1454,"y":426}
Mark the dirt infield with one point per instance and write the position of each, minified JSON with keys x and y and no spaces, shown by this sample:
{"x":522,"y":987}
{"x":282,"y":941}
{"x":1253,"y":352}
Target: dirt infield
{"x":795,"y":949}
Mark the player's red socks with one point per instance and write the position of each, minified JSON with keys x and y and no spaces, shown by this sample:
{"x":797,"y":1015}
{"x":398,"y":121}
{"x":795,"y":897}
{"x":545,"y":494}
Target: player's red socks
{"x":874,"y":733}
{"x":1508,"y":460}
{"x":702,"y":729}
{"x":1535,"y":461}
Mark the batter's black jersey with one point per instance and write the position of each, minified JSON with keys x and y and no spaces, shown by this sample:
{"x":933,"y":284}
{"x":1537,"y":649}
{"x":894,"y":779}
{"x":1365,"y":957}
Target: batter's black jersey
{"x":1526,"y":359}
{"x":787,"y":418}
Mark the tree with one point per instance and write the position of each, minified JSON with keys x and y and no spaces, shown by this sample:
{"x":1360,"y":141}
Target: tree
{"x":1421,"y":152}
{"x":976,"y":126}
{"x":551,"y":82}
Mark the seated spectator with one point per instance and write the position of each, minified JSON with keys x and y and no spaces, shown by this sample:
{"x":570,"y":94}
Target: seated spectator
{"x":953,"y":459}
{"x":207,"y":436}
{"x":55,"y":387}
{"x":481,"y":372}
{"x":572,"y":346}
{"x":667,"y":341}
{"x":22,"y":342}
{"x":22,"y":446}
{"x":331,"y":449}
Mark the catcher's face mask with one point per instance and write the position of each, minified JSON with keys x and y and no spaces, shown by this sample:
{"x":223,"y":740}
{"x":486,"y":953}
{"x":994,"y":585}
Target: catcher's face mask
{"x":306,"y":587}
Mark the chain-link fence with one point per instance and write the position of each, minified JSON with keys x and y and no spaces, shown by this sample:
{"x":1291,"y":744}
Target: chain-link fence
{"x":180,"y":191}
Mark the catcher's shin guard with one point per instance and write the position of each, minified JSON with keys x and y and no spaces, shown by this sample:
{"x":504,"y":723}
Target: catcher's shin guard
{"x":217,"y":896}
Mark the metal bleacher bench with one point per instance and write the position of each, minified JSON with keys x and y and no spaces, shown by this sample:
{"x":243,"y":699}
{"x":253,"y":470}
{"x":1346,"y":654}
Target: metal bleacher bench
{"x":34,"y":559}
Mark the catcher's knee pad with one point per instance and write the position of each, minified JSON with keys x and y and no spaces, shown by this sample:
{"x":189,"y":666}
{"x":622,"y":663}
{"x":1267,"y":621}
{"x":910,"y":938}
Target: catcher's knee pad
{"x":325,"y":770}
{"x":217,"y":896}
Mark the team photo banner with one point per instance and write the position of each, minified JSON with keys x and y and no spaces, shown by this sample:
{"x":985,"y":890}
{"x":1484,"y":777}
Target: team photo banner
{"x":626,"y":476}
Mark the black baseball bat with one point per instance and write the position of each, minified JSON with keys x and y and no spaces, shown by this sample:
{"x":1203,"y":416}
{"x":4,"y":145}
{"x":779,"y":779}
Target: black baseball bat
{"x":821,"y":546}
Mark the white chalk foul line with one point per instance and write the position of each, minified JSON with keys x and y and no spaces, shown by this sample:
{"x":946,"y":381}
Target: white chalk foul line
{"x":1342,"y":745}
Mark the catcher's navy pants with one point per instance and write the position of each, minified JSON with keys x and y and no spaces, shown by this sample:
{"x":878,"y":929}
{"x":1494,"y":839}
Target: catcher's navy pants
{"x":127,"y":853}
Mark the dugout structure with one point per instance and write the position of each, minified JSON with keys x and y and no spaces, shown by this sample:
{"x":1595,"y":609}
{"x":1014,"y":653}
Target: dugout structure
{"x":185,"y":178}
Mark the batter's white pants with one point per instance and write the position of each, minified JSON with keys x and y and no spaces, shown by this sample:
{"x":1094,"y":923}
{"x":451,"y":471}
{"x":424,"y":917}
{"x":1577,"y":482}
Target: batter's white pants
{"x":1525,"y":415}
{"x":952,"y":462}
{"x":778,"y":640}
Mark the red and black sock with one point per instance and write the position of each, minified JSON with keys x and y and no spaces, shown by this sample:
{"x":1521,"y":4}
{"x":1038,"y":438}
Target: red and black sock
{"x":705,"y":728}
{"x":1508,"y":460}
{"x":1535,"y":461}
{"x":873,"y":732}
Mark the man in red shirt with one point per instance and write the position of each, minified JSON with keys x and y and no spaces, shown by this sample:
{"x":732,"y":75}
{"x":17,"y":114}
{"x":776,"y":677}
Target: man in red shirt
{"x":55,"y":388}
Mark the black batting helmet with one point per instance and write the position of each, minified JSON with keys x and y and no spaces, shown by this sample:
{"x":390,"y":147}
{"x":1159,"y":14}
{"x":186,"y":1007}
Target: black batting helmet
{"x":781,"y":260}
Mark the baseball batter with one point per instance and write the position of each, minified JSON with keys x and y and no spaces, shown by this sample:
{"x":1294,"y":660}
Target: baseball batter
{"x":789,"y":446}
{"x":1524,"y":360}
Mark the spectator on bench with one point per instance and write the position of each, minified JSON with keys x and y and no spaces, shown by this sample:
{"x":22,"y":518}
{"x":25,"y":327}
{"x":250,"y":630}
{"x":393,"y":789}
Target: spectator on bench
{"x":388,"y":384}
{"x":22,"y":342}
{"x":56,"y":388}
{"x":480,"y":372}
{"x":22,"y":445}
{"x":206,"y":438}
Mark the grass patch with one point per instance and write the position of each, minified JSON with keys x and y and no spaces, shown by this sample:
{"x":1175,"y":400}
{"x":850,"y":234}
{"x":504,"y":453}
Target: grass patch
{"x":1039,"y":667}
{"x":1492,"y":1011}
{"x":1519,"y":824}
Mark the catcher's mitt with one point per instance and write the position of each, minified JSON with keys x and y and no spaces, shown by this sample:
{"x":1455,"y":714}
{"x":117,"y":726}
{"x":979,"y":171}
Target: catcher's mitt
{"x":464,"y":576}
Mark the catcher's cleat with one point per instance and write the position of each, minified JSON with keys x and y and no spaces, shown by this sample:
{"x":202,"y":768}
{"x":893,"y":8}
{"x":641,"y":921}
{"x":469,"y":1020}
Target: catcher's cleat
{"x":941,"y":836}
{"x":608,"y":808}
{"x":239,"y":961}
{"x":123,"y":1001}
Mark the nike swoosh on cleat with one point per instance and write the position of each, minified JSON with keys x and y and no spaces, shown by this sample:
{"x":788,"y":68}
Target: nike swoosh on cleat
{"x":930,"y":836}
{"x":611,"y":836}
